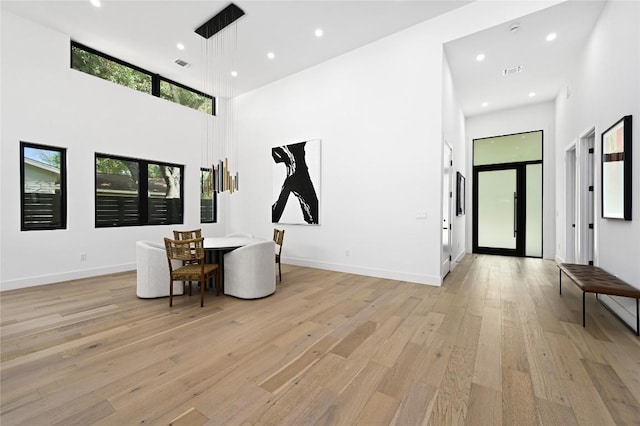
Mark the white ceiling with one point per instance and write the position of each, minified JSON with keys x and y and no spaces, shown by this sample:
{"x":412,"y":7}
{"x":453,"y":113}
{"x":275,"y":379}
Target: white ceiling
{"x":545,"y":64}
{"x":145,"y":33}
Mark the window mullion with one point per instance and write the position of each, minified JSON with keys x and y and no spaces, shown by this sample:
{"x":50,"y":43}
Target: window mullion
{"x":143,"y":191}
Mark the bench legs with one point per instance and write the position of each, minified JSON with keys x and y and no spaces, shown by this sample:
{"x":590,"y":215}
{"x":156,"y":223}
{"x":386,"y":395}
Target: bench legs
{"x":583,"y":307}
{"x":560,"y":280}
{"x":584,"y":315}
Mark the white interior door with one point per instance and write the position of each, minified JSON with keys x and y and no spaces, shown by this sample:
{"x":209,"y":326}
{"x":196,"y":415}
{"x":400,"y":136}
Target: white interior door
{"x":585,"y":203}
{"x":570,"y":205}
{"x":447,"y":173}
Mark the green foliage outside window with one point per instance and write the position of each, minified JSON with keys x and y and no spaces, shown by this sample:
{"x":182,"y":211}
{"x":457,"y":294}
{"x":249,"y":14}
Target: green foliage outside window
{"x":109,"y":70}
{"x":112,"y":69}
{"x":185,"y":97}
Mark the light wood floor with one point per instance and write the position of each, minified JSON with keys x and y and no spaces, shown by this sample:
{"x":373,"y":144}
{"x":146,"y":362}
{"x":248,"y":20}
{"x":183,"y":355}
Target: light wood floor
{"x":495,"y":345}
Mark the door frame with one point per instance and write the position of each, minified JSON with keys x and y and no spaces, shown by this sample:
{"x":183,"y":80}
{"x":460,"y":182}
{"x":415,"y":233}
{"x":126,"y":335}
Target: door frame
{"x":571,"y":204}
{"x":445,"y":259}
{"x":585,"y":200}
{"x":520,"y":212}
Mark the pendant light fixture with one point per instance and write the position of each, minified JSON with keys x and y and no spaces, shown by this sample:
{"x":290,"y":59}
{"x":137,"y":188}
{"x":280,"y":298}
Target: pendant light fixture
{"x":218,"y":48}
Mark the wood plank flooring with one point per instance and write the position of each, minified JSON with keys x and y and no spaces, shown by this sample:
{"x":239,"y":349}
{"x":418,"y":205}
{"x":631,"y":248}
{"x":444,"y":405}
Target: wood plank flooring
{"x":496,"y":344}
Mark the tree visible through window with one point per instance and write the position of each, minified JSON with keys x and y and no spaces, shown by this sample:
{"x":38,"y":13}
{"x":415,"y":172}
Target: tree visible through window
{"x":137,"y":192}
{"x":96,"y":63}
{"x":186,"y":97}
{"x":208,"y":199}
{"x":108,"y":69}
{"x":43,"y":182}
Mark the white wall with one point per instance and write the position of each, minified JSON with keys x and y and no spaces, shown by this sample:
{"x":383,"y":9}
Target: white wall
{"x":453,"y":129}
{"x":46,"y":102}
{"x":378,"y":111}
{"x":604,"y":87}
{"x":538,"y":116}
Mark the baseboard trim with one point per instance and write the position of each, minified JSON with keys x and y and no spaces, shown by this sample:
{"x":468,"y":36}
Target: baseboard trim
{"x":371,"y":272}
{"x":65,"y":276}
{"x":459,"y":257}
{"x":623,"y":307}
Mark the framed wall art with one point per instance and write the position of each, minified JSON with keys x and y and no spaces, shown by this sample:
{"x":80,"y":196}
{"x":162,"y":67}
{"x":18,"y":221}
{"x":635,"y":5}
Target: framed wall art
{"x":296,"y":183}
{"x":460,"y":194}
{"x":616,"y":170}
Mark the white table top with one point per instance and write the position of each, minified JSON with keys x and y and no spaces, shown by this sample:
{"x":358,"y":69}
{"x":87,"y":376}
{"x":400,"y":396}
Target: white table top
{"x":228,"y":242}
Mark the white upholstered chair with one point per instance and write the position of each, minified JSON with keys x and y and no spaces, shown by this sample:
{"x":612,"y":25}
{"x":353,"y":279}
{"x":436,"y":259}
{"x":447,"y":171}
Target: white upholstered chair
{"x":153,"y":270}
{"x":240,"y":234}
{"x":249,"y":271}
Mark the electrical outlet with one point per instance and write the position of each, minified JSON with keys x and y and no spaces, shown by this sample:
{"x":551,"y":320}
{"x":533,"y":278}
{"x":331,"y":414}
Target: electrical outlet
{"x":83,"y":257}
{"x":347,"y":253}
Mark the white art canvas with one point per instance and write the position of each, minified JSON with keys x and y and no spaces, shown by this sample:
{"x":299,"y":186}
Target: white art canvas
{"x":296,"y":183}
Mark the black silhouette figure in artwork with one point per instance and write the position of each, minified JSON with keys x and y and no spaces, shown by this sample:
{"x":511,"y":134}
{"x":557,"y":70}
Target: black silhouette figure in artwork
{"x":297,"y":182}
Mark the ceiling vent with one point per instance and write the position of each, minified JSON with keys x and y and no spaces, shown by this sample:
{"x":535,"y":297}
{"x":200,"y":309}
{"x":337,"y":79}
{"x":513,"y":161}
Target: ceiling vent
{"x":514,"y":70}
{"x":183,"y":64}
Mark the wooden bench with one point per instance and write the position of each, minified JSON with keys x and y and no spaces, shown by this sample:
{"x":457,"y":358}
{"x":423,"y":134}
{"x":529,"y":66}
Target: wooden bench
{"x":592,"y":279}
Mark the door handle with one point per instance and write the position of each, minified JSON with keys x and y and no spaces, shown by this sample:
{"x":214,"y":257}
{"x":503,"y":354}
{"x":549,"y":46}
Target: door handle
{"x":515,"y":214}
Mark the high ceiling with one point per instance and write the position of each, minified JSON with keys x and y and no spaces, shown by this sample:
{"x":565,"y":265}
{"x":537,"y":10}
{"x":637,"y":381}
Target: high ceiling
{"x":545,"y":64}
{"x":146,"y":32}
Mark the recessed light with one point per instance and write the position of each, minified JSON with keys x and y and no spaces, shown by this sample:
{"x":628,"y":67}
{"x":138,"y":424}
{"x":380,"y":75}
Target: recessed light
{"x":234,"y":73}
{"x":318,"y":32}
{"x":271,"y":55}
{"x":532,"y":94}
{"x":551,"y":36}
{"x":180,"y":46}
{"x":480,"y":57}
{"x":96,"y":3}
{"x":485,"y":104}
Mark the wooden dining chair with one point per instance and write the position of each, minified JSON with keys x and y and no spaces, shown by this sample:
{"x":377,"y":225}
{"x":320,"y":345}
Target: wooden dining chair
{"x":187,"y":235}
{"x":278,"y":238}
{"x":191,"y":253}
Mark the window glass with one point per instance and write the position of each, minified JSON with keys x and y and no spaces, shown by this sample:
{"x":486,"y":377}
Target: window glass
{"x":508,"y":149}
{"x":186,"y":97}
{"x":91,"y":61}
{"x":103,"y":67}
{"x":43,"y":176}
{"x":165,"y":203}
{"x":208,"y":200}
{"x":137,"y":192}
{"x":117,"y":192}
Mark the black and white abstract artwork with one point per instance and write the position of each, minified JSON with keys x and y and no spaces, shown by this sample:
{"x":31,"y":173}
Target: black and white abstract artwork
{"x":296,"y":183}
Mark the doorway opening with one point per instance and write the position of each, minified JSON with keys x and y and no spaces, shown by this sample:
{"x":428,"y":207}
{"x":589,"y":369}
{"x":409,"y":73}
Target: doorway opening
{"x":585,"y":202}
{"x":447,"y":197}
{"x":571,"y":195}
{"x":507,"y":194}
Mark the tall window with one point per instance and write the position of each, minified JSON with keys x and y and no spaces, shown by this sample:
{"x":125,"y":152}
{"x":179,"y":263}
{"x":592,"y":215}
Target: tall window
{"x":208,"y":198}
{"x":101,"y":65}
{"x":43,"y":201}
{"x":133,"y":192}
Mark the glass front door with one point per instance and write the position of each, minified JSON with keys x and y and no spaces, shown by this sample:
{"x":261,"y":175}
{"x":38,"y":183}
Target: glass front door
{"x":497,"y":204}
{"x":507,"y":195}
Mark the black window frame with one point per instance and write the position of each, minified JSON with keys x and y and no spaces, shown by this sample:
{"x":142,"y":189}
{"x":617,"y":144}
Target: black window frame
{"x":182,"y":86}
{"x":155,"y":78}
{"x":63,"y":188}
{"x":143,"y":192}
{"x":214,"y":198}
